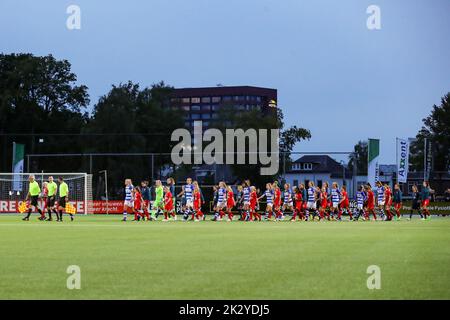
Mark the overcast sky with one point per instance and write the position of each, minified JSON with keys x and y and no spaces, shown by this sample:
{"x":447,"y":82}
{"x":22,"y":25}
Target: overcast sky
{"x":334,"y":76}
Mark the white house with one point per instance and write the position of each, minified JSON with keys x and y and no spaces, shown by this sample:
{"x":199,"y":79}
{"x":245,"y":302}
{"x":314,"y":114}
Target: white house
{"x":320,"y":168}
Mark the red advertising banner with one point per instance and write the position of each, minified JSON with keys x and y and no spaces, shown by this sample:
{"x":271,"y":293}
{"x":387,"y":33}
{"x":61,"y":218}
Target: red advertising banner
{"x":101,"y":207}
{"x":95,"y":207}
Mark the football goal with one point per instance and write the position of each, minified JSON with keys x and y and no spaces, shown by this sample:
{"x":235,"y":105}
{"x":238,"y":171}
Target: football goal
{"x":14,"y":189}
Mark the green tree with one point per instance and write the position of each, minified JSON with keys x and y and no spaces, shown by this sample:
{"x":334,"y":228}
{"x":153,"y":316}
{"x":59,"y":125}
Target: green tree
{"x":360,"y":156}
{"x":39,"y":95}
{"x":130,"y":120}
{"x":436,"y":128}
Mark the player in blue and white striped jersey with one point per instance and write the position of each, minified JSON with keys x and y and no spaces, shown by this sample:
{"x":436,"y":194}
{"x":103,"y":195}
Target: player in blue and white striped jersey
{"x":288,"y":202}
{"x":128,"y":205}
{"x":335,"y":198}
{"x":268,"y":194}
{"x":380,"y":198}
{"x":221,"y":201}
{"x":188,"y":198}
{"x":247,"y":191}
{"x":311,"y":200}
{"x":361,"y":198}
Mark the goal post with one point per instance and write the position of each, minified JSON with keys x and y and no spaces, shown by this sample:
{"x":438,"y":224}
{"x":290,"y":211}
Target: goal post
{"x":14,"y":189}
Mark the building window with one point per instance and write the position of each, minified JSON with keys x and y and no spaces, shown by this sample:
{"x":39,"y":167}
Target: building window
{"x":206,"y":123}
{"x":186,"y":108}
{"x":295,"y":183}
{"x":307,"y":166}
{"x":187,"y":124}
{"x":215,"y":107}
{"x":195,"y":100}
{"x":258,"y":99}
{"x":186,"y":100}
{"x":215,"y":99}
{"x":195,"y":108}
{"x":206,"y":107}
{"x":227,"y":98}
{"x":206,"y":99}
{"x":206,"y":116}
{"x":195,"y":116}
{"x":215,"y":116}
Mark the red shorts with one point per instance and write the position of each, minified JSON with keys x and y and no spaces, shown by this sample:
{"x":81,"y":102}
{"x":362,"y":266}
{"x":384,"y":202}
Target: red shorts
{"x":137,"y":206}
{"x":425,"y":203}
{"x":345,"y":204}
{"x":299,"y":205}
{"x":370,"y":206}
{"x":398,"y":206}
{"x":168,"y":207}
{"x":324,"y":204}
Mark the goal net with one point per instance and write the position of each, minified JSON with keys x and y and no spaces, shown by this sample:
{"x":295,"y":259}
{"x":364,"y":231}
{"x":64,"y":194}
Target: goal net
{"x":14,"y":189}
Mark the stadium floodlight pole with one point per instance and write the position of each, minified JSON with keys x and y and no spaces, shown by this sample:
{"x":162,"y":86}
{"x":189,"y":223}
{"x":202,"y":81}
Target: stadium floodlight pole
{"x":106,"y":188}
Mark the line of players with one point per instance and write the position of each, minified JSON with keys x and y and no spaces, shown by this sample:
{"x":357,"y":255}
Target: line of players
{"x":305,"y":203}
{"x":48,"y":195}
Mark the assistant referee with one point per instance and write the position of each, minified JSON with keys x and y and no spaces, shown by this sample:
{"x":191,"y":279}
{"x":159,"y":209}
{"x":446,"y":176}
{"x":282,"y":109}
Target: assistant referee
{"x":33,"y":195}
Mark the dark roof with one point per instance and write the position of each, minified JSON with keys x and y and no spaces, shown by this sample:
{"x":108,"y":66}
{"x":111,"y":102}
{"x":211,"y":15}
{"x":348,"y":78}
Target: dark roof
{"x":322,"y":164}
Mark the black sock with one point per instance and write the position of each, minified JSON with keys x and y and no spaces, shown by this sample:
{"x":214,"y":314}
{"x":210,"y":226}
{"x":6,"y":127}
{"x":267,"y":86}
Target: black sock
{"x":49,"y":213}
{"x":60,"y":214}
{"x":29,"y":213}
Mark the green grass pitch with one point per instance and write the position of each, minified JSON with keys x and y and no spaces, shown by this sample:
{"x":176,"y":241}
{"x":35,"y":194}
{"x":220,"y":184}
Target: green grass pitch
{"x":237,"y":260}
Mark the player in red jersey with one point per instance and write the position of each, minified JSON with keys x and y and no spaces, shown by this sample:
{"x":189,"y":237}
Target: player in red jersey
{"x":388,"y":202}
{"x":138,"y":202}
{"x":344,"y":204}
{"x":276,"y":200}
{"x":298,"y":210}
{"x":44,"y":198}
{"x":323,"y":203}
{"x":397,"y":199}
{"x":197,"y":202}
{"x":370,"y":203}
{"x":329,"y":204}
{"x":230,"y":203}
{"x":168,"y":204}
{"x":253,"y":203}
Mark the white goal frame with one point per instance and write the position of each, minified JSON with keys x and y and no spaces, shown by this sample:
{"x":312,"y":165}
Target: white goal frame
{"x":41,"y":177}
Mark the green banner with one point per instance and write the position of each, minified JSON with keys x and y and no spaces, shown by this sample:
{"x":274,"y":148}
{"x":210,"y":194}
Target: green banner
{"x":17,"y":164}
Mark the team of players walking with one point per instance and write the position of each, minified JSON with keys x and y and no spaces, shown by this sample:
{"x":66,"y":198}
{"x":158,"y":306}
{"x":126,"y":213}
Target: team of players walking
{"x":302,"y":202}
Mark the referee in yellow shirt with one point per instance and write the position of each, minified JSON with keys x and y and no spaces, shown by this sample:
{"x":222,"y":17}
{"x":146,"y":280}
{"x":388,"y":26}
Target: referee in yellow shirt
{"x":52,"y":187}
{"x":63,"y":199}
{"x":33,"y":195}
